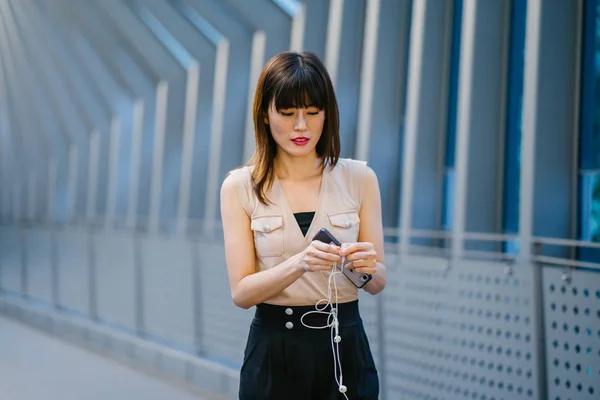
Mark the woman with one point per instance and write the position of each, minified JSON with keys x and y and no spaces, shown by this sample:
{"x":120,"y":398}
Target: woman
{"x":294,"y":185}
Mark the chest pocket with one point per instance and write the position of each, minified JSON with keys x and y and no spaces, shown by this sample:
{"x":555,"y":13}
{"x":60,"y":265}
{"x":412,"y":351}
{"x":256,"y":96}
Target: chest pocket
{"x":345,"y":225}
{"x":268,"y":235}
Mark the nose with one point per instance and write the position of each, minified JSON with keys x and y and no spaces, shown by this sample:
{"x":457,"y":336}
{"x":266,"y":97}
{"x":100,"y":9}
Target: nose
{"x":300,"y":124}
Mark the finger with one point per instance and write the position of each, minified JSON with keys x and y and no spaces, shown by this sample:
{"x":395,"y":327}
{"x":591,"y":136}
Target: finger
{"x":325,"y":254}
{"x":329,"y":248}
{"x":354,"y":247}
{"x":331,"y":258}
{"x":316,"y":264}
{"x":321,"y":265}
{"x":360,"y":255}
{"x":322,"y":255}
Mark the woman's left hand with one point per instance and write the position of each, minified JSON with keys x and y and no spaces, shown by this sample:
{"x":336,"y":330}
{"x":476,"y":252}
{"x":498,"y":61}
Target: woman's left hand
{"x":362,"y":255}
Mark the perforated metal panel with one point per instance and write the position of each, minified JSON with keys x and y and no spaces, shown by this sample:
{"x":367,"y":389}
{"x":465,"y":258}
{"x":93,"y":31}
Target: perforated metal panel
{"x":224,"y":327}
{"x":73,"y":270}
{"x":39,"y":263}
{"x":572,"y":318}
{"x":168,"y":298}
{"x":463,"y":333}
{"x":371,"y":314}
{"x":11,"y":273}
{"x":115,"y":278}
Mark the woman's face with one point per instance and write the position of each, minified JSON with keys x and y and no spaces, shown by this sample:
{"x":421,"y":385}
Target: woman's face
{"x":296,"y":130}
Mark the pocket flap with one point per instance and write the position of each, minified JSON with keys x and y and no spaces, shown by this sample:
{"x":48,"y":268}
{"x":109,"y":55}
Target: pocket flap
{"x":266,"y":224}
{"x":345,"y":219}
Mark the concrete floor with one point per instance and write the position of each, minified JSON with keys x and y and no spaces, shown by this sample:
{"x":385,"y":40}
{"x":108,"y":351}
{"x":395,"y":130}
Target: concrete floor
{"x":36,"y":366}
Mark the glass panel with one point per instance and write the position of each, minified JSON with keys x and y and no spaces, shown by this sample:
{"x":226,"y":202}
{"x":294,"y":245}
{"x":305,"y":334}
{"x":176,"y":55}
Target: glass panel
{"x":448,"y":210}
{"x":596,"y":134}
{"x":590,"y":213}
{"x":512,"y":164}
{"x":449,"y":157}
{"x":453,"y":84}
{"x":590,"y":88}
{"x":590,"y":131}
{"x":595,"y":209}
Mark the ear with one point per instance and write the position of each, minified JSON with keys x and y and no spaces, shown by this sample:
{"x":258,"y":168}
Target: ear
{"x":266,"y":119}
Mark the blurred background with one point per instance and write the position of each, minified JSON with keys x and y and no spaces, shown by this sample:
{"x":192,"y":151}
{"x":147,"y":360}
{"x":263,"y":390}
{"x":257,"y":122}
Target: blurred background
{"x":120,"y":118}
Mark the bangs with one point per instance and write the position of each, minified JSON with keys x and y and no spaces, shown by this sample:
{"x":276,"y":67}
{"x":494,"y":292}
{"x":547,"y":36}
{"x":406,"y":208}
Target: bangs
{"x":301,"y":88}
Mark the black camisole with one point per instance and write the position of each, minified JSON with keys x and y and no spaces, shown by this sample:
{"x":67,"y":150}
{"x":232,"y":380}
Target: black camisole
{"x":304,"y":220}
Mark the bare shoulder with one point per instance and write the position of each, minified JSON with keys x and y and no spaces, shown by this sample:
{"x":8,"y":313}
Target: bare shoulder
{"x":230,"y":183}
{"x":236,"y":181}
{"x":350,"y":164}
{"x":234,"y":177}
{"x":371,"y":178}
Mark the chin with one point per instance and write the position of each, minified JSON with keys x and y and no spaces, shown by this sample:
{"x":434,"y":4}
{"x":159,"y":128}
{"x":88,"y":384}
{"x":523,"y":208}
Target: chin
{"x":301,"y":151}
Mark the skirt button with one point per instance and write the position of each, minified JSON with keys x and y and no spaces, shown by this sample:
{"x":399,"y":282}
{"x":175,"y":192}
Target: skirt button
{"x":289,"y":325}
{"x":289,"y":311}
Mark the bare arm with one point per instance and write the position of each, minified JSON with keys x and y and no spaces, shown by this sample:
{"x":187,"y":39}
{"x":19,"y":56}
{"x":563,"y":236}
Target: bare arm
{"x":370,"y":238}
{"x":249,"y":287}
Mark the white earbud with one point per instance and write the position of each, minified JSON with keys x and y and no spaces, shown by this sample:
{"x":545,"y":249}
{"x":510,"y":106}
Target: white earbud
{"x":343,"y":389}
{"x":337,"y":339}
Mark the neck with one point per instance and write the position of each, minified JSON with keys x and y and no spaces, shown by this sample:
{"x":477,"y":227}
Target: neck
{"x":297,"y":168}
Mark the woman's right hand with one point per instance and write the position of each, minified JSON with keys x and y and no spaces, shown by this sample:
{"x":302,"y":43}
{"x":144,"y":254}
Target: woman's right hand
{"x":319,"y":256}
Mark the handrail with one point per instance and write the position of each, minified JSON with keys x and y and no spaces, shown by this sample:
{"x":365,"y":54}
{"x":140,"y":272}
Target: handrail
{"x":490,"y":255}
{"x":482,"y":236}
{"x":474,"y":254}
{"x":195,"y":227}
{"x":425,"y":234}
{"x":565,"y":242}
{"x":566,"y":262}
{"x":441,"y":234}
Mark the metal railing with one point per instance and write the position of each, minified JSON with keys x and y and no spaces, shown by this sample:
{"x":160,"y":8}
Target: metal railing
{"x":190,"y":307}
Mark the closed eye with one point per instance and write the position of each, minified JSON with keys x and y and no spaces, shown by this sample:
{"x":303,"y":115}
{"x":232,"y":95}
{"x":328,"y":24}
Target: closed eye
{"x":290,"y":113}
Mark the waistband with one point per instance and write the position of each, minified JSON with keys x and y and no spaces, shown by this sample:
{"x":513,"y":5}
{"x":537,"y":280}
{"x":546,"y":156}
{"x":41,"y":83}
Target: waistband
{"x":290,"y":317}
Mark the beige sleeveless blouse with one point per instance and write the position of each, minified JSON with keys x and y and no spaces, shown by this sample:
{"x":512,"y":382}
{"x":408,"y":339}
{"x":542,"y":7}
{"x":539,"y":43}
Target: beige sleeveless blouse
{"x":278,"y":237}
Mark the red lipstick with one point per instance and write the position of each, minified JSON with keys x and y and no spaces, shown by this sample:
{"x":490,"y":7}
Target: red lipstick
{"x":300,"y":141}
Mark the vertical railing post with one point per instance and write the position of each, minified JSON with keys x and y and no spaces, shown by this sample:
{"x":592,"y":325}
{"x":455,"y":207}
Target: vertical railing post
{"x":92,"y":278}
{"x":539,"y":322}
{"x":138,"y":285}
{"x":197,"y":295}
{"x":23,"y":248}
{"x":55,"y":287}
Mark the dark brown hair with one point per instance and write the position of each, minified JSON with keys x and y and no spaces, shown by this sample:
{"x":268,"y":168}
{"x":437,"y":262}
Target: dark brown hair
{"x":292,"y":80}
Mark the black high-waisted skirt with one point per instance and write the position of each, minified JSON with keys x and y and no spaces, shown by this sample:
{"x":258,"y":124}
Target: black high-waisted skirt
{"x":284,"y":360}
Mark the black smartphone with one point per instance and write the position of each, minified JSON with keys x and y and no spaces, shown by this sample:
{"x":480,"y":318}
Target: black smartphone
{"x":359,"y":279}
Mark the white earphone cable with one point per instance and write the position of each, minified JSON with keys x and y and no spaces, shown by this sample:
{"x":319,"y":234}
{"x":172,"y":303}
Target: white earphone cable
{"x":332,"y":323}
